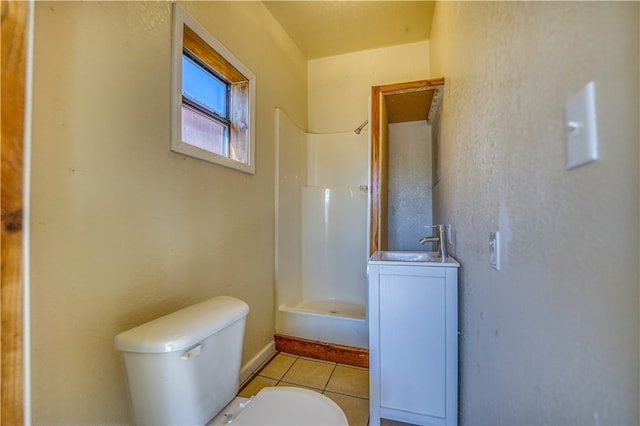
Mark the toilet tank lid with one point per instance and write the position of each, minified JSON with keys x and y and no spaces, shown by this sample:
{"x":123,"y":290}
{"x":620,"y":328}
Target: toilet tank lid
{"x":184,"y":328}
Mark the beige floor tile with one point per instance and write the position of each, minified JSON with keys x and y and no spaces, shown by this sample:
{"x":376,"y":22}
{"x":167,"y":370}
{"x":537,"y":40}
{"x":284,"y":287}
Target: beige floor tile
{"x":350,"y":381}
{"x":293,"y":385}
{"x":278,"y":366}
{"x":309,"y":373}
{"x":254,"y":386}
{"x":317,"y":360}
{"x":348,"y":386}
{"x":356,"y":409}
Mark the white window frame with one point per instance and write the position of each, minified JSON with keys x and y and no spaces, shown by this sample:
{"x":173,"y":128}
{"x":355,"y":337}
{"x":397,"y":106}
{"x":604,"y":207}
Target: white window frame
{"x":181,"y":19}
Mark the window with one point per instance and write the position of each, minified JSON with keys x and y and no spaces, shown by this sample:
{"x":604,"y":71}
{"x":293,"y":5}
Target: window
{"x":213,"y":100}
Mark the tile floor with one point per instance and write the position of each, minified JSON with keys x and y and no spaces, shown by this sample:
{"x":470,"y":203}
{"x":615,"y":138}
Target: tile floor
{"x":348,"y":386}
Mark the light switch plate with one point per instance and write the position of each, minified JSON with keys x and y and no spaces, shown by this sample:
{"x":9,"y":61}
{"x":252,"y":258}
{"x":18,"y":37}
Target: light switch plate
{"x":494,"y":250}
{"x":581,"y":133}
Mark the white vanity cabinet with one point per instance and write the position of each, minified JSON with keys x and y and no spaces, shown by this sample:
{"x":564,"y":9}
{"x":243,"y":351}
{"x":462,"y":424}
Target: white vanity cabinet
{"x":413,"y":340}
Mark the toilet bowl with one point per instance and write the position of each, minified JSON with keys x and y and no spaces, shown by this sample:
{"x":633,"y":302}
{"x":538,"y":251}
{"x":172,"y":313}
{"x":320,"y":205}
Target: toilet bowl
{"x":282,"y":405}
{"x":183,"y":369}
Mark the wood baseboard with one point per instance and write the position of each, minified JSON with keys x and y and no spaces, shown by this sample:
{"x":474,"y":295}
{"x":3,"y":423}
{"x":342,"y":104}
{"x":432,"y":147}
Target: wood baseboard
{"x":325,"y":351}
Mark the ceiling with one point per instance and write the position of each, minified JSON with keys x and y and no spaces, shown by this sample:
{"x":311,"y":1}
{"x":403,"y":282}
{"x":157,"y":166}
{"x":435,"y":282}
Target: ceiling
{"x":326,"y":28}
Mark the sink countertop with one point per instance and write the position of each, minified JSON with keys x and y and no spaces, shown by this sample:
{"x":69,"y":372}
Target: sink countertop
{"x":415,"y":258}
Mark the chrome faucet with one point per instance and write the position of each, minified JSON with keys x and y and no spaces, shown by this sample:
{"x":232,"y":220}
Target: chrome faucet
{"x":439,"y":238}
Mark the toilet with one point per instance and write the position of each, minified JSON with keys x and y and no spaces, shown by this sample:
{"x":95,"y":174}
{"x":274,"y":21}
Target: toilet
{"x":183,"y":369}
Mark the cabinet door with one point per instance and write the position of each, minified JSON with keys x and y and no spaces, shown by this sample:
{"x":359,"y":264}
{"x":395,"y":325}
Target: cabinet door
{"x":412,"y":344}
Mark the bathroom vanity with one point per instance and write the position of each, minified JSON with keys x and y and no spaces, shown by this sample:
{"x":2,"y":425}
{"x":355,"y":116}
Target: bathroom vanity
{"x":413,"y":338}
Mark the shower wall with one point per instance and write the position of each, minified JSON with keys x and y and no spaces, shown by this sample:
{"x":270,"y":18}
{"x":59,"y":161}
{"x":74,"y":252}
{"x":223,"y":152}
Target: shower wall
{"x":321,"y":201}
{"x":291,"y":175}
{"x":334,"y":211}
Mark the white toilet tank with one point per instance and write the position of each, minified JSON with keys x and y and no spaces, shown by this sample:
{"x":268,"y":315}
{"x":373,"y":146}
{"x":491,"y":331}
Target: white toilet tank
{"x":184,"y":367}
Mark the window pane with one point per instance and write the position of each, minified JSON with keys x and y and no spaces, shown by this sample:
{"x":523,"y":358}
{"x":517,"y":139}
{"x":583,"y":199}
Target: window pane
{"x":203,"y":132}
{"x":202,"y":87}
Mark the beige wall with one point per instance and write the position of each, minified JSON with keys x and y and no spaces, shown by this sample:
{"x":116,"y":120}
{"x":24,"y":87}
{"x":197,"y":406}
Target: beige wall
{"x":553,"y":337}
{"x":123,"y":230}
{"x":340,"y":86}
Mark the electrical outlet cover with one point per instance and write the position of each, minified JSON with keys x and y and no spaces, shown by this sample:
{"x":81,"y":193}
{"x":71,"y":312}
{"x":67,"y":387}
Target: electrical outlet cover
{"x":494,"y":250}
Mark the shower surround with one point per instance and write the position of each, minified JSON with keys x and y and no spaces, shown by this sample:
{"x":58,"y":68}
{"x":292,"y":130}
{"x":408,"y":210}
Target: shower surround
{"x":321,"y":219}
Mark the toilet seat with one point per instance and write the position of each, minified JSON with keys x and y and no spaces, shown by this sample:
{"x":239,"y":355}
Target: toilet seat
{"x":290,"y":406}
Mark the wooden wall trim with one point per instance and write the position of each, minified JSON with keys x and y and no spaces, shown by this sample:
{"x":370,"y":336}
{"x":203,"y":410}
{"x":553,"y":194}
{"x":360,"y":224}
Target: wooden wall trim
{"x":14,"y":47}
{"x":325,"y":351}
{"x":388,"y":89}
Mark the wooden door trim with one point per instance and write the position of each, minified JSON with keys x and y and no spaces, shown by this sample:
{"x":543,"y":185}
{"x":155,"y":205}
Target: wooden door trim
{"x":374,"y":185}
{"x":377,"y":217}
{"x":14,"y":52}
